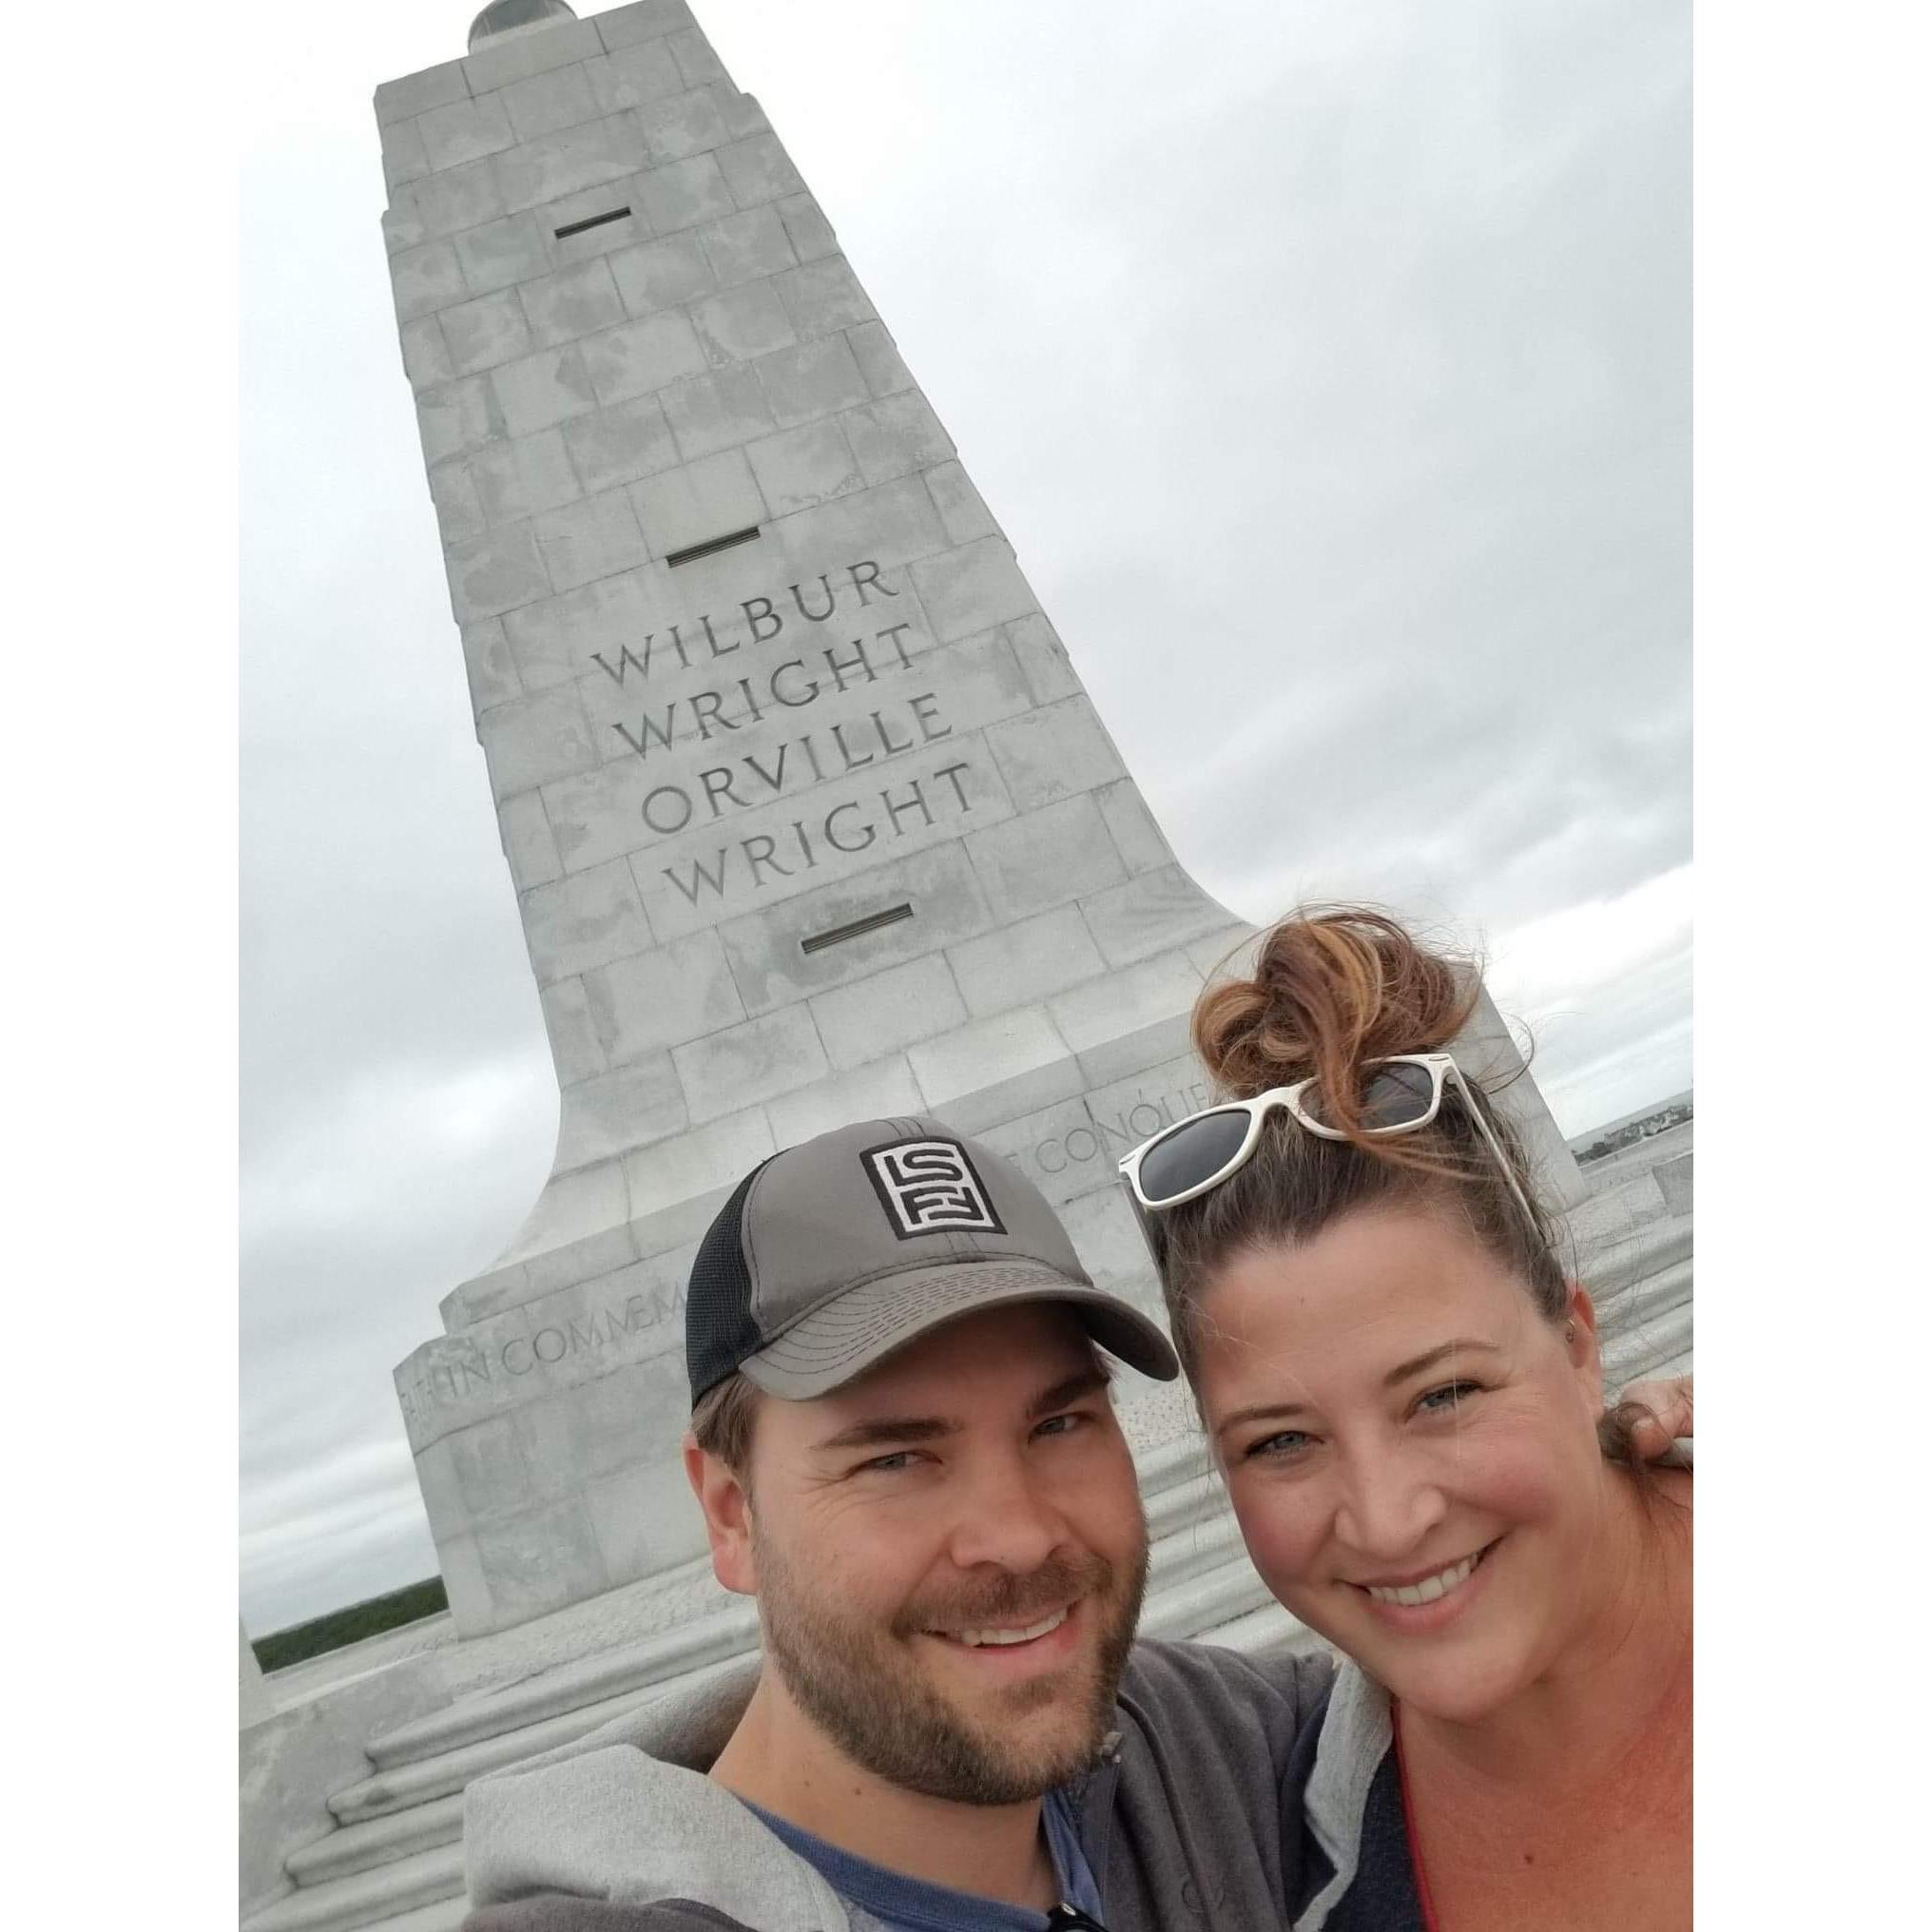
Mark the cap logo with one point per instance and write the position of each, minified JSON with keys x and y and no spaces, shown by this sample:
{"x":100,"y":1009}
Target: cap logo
{"x":929,"y":1187}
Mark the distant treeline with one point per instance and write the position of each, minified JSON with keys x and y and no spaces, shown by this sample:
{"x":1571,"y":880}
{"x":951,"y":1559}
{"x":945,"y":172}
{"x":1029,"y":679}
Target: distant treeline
{"x":1634,"y":1131}
{"x":410,"y":1604}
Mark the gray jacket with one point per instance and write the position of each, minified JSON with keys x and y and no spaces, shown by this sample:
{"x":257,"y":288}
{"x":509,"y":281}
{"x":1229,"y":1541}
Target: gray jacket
{"x":1191,"y":1819}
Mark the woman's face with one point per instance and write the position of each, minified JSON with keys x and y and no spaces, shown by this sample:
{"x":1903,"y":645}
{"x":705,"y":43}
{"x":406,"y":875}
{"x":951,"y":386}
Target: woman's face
{"x":1411,"y":1452}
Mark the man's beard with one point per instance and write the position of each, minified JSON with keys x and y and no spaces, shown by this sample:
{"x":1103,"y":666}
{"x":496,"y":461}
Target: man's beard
{"x":862,"y":1686}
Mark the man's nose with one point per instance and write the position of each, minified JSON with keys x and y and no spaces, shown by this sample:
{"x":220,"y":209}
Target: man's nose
{"x":1388,"y":1504}
{"x":1005,"y":1517}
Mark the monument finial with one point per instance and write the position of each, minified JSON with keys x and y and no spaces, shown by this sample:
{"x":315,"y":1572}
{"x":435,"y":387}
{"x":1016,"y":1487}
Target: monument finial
{"x":516,"y":16}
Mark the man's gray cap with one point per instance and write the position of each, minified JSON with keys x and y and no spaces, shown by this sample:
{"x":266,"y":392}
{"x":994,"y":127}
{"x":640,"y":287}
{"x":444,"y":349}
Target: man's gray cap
{"x":836,"y":1252}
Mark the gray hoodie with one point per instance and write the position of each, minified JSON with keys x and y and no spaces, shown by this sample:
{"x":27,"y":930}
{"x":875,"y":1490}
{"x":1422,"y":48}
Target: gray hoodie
{"x":1190,"y":1819}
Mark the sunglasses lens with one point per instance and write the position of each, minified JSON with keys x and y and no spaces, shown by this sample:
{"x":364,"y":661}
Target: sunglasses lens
{"x":1394,"y":1096}
{"x":1196,"y":1150}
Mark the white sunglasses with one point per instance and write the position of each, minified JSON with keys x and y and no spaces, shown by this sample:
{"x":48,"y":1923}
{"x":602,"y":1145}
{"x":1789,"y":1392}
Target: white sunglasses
{"x":1402,"y":1095}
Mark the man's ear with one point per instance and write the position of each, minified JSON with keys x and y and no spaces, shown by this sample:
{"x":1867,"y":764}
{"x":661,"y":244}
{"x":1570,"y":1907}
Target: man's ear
{"x":726,"y":1503}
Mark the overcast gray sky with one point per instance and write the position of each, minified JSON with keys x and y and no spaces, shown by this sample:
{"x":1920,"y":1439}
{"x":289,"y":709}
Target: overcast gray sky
{"x":1328,"y":362}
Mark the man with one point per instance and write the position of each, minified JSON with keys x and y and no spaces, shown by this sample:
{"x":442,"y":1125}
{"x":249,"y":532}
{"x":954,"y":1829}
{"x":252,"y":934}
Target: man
{"x":905,"y":1447}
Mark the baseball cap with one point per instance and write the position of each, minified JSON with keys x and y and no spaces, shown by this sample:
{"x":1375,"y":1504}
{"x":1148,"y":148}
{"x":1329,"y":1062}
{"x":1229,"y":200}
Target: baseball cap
{"x":832,"y":1254}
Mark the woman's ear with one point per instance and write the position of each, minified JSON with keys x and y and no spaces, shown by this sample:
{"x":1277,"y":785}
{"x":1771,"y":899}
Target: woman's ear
{"x":725,"y":1499}
{"x":1580,"y":1340}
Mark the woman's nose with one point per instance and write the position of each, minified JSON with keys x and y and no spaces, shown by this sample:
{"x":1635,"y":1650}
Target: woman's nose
{"x":1387,"y":1506}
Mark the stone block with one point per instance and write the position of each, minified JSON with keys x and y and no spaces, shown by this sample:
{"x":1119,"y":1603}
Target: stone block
{"x":569,"y":162}
{"x":696,"y":60}
{"x":802,"y":467}
{"x":741,"y":323}
{"x":570,"y":303}
{"x":465,"y":130}
{"x":572,"y":1207}
{"x":878,"y":355}
{"x":632,"y":1106}
{"x":633,"y":77}
{"x":699,"y":501}
{"x":456,"y":418}
{"x":542,"y":1559}
{"x":1046,"y":857}
{"x":1136,"y":837}
{"x":417,"y":93}
{"x":485,"y":331}
{"x":492,"y":670}
{"x":585,"y":921}
{"x":628,"y":26}
{"x":427,"y":279}
{"x":1126,"y":1001}
{"x":805,"y":224}
{"x":811,"y":380}
{"x":524,"y":477}
{"x":771,"y":967}
{"x":876,"y":1091}
{"x":402,"y":227}
{"x":722,"y":411}
{"x":973,"y":589}
{"x":892,"y":526}
{"x":1025,"y":962}
{"x":758,"y":170}
{"x":532,"y":739}
{"x":1050,"y":673}
{"x":823,"y":296}
{"x":750,"y":1062}
{"x":684,"y":125}
{"x":404,"y":157}
{"x":747,"y":247}
{"x":740,"y":113}
{"x":1226,"y":953}
{"x":644,"y":1523}
{"x":458,"y":198}
{"x":653,"y":1000}
{"x":454,"y":493}
{"x":496,"y":572}
{"x":898,"y":435}
{"x":527,"y":842}
{"x":664,"y":274}
{"x":1054,"y":751}
{"x":1674,"y":1179}
{"x":425,"y":355}
{"x":642,"y":355}
{"x":719,"y":1155}
{"x":501,"y":253}
{"x":487,"y":1472}
{"x":556,"y":642}
{"x":1148,"y":914}
{"x":685,"y":193}
{"x":550,"y":387}
{"x":987,"y":1052}
{"x":504,"y":58}
{"x":888,"y":1012}
{"x":961,"y":508}
{"x":574,"y":1046}
{"x":1053,"y":1147}
{"x":547,"y":103}
{"x":597,"y":537}
{"x":619,"y":444}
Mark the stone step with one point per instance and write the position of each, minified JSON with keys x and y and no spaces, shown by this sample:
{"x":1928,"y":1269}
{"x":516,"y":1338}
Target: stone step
{"x":446,"y":1915}
{"x":377,"y":1841}
{"x":367,"y":1898}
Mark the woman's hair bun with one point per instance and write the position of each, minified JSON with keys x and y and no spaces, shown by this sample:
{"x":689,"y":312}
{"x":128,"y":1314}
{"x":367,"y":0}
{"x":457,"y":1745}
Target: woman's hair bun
{"x":1332,"y":987}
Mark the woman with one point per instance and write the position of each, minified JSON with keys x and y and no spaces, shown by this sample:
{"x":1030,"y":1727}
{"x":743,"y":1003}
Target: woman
{"x":1403,"y":1393}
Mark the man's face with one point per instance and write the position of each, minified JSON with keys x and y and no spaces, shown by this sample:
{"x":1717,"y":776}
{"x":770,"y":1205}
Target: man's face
{"x":950,"y":1554}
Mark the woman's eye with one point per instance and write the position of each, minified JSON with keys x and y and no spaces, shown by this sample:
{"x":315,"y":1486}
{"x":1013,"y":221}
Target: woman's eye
{"x":1448,"y":1399}
{"x":1284,"y":1443}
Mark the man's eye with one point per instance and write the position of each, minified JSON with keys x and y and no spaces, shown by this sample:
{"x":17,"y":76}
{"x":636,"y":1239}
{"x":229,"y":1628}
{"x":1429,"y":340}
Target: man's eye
{"x":1448,"y":1399}
{"x":887,"y":1465}
{"x":1060,"y":1425}
{"x":1278,"y":1447}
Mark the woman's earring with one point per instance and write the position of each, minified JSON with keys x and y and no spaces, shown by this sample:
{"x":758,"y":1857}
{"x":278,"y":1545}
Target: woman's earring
{"x":1569,"y":1333}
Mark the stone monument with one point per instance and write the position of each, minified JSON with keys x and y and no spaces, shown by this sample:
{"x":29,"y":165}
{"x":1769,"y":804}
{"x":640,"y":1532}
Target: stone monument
{"x":806,"y":811}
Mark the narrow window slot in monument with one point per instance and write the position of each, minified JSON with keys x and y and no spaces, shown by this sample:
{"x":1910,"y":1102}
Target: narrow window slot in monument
{"x":857,"y":930}
{"x":570,"y":228}
{"x":710,"y":547}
